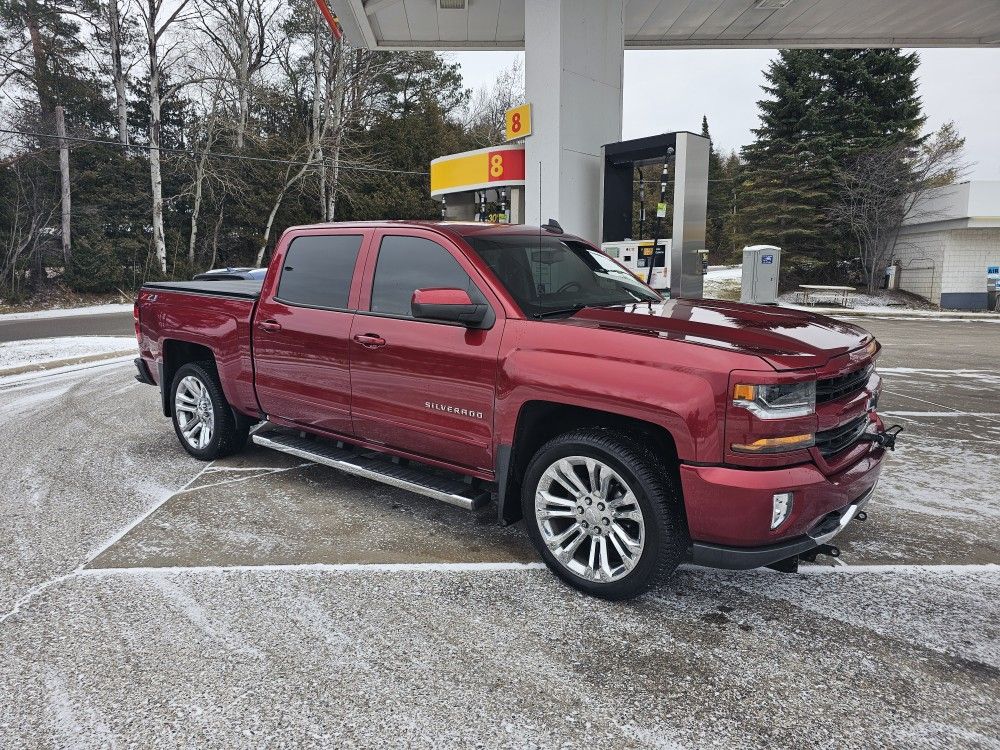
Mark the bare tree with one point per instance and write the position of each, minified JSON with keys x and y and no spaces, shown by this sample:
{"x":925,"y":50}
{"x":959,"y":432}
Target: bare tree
{"x":158,"y":17}
{"x":116,"y":39}
{"x":489,"y":104}
{"x":883,"y":188}
{"x":32,"y":209}
{"x":239,"y":31}
{"x":208,"y":135}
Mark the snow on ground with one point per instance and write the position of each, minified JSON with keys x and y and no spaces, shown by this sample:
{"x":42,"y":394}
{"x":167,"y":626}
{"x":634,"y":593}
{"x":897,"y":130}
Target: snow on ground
{"x":68,"y":312}
{"x":42,"y":351}
{"x":723,"y":282}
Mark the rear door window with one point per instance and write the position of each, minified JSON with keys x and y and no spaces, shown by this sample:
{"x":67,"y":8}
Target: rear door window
{"x":317,"y":270}
{"x":406,"y":264}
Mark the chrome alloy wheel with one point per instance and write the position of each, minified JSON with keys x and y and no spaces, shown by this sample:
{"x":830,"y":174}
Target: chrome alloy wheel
{"x":589,"y":518}
{"x":195,"y":414}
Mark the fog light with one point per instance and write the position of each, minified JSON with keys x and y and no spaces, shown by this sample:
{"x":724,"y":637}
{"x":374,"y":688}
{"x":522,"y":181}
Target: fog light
{"x":781,"y":505}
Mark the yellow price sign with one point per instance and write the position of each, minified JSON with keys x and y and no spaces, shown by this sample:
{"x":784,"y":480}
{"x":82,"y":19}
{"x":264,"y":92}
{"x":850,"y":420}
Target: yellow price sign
{"x":518,"y":122}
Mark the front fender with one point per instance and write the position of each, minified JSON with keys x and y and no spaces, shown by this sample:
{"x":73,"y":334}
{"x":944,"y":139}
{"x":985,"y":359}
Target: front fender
{"x":681,"y":402}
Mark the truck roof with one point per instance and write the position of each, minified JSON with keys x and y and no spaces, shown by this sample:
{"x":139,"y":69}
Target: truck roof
{"x":453,"y":228}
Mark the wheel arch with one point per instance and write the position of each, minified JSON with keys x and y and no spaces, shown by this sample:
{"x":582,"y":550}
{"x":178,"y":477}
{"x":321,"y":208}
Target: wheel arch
{"x":539,"y":421}
{"x":176,"y":354}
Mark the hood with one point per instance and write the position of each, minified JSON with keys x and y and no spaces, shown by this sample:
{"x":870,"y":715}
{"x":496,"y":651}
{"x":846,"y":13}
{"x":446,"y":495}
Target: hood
{"x":786,"y":339}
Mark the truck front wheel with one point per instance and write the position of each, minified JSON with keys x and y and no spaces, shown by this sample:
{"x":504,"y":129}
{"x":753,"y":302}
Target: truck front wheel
{"x":203,"y":420}
{"x":604,"y":513}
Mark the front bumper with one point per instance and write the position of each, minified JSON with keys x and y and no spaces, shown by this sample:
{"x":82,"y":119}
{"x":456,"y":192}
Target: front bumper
{"x":745,"y":558}
{"x":732,"y":506}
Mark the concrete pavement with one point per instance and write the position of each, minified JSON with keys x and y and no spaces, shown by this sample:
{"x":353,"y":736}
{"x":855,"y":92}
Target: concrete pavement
{"x":356,"y":615}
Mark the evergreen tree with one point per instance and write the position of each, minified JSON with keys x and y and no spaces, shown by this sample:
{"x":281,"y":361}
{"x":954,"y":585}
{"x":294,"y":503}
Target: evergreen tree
{"x":718,"y":199}
{"x":824,"y":107}
{"x":789,"y":186}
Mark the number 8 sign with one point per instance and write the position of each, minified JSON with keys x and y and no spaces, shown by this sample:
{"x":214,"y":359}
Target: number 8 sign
{"x":518,"y":122}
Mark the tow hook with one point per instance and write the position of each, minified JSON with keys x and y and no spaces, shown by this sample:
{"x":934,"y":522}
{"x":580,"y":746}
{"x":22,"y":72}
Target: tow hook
{"x":885,"y":439}
{"x":823,"y":549}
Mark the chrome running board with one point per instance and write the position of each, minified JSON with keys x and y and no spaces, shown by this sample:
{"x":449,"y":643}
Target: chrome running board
{"x":423,"y":480}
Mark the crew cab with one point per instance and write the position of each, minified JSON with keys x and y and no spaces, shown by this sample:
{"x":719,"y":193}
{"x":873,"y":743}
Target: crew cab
{"x":479,"y":363}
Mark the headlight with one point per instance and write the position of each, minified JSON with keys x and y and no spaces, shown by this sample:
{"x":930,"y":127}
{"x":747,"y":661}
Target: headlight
{"x":777,"y":401}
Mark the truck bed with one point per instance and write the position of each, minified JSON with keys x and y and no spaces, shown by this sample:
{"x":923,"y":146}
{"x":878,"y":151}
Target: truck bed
{"x":248,"y":289}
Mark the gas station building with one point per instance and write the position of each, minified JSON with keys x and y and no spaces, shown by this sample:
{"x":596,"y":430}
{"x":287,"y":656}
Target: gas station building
{"x":574,"y":60}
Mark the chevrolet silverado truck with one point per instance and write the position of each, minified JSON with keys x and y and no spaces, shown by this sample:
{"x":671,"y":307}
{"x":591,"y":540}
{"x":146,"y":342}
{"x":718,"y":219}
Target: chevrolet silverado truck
{"x":473,"y":362}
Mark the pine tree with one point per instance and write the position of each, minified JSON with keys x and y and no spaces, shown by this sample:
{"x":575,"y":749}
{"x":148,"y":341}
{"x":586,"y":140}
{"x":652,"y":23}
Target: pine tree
{"x":789,"y":185}
{"x":719,"y":202}
{"x":824,"y":108}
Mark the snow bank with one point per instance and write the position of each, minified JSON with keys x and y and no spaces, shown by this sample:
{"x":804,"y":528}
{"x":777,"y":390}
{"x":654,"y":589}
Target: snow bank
{"x":42,"y":351}
{"x":68,"y":312}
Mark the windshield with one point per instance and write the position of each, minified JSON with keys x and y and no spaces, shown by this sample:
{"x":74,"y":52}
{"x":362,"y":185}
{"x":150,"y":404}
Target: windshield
{"x":548,"y":275}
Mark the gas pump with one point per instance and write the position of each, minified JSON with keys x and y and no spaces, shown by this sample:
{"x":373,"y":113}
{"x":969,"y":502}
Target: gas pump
{"x":671,"y":263}
{"x":648,"y":260}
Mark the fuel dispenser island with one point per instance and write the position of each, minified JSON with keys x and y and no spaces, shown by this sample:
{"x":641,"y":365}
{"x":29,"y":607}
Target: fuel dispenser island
{"x":674,"y":260}
{"x":482,"y":185}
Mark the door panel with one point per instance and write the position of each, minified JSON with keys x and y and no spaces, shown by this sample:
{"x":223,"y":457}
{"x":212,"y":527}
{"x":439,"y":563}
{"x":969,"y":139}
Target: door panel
{"x":302,"y":332}
{"x":419,"y":386}
{"x":403,"y":390}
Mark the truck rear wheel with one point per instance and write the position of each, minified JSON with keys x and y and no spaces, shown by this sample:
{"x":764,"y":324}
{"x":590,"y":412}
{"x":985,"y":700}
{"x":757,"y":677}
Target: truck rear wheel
{"x":604,"y":513}
{"x":203,"y":419}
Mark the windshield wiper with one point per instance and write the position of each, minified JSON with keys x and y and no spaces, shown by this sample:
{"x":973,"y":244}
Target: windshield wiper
{"x":560,"y":311}
{"x":577,"y":307}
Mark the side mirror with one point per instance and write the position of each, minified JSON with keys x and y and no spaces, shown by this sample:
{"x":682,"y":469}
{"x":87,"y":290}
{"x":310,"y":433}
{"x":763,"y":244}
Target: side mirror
{"x":448,"y":306}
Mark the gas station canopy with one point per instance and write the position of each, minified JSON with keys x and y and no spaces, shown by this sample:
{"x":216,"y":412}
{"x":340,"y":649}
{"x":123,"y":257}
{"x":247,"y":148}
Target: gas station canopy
{"x":574,"y":59}
{"x":666,"y":24}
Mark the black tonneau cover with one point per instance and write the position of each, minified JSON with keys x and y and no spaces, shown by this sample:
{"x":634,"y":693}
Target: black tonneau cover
{"x":248,"y":289}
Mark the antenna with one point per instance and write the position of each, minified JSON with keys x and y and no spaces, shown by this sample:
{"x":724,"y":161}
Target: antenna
{"x":538,"y":271}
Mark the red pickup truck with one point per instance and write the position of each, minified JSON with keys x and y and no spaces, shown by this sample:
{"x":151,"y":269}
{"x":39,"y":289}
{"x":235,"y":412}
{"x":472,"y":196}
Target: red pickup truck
{"x":469,"y":362}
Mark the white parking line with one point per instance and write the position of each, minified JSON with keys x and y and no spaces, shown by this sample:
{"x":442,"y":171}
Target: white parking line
{"x":956,"y":412}
{"x":939,"y":413}
{"x":492,"y":567}
{"x":463,"y":567}
{"x":903,"y":568}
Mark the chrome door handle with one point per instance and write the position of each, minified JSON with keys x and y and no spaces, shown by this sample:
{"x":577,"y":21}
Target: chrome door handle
{"x":271,"y":326}
{"x":370,"y":340}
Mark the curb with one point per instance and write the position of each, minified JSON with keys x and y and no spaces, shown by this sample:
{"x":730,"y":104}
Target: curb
{"x":55,"y":363}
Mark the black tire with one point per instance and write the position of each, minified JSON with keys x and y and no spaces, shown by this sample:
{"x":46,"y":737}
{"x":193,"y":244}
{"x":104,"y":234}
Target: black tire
{"x":652,"y":483}
{"x":229,"y":434}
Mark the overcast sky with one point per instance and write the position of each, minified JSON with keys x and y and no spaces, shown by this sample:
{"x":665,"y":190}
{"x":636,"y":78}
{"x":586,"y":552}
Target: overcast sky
{"x":671,"y":90}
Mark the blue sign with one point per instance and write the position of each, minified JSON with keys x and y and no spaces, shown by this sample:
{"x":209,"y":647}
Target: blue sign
{"x":993,"y":270}
{"x":767,"y":259}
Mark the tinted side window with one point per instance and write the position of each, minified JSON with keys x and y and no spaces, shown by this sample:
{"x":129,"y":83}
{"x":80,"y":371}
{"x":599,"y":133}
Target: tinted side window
{"x":406,"y":264}
{"x":317,"y":270}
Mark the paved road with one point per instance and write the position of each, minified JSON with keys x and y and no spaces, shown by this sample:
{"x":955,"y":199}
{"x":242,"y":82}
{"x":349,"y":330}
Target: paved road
{"x":355,"y":615}
{"x":113,"y":324}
